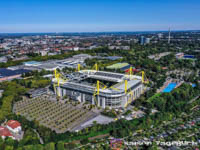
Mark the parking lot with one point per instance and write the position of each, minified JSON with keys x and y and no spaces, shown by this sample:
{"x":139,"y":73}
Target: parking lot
{"x":52,"y":114}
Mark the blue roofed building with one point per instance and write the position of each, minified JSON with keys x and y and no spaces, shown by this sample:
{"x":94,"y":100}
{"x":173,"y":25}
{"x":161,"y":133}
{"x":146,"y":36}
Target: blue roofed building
{"x":7,"y":74}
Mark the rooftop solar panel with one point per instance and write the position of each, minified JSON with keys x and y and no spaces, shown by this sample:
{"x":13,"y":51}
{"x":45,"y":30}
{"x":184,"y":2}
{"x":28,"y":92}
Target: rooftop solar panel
{"x":6,"y":72}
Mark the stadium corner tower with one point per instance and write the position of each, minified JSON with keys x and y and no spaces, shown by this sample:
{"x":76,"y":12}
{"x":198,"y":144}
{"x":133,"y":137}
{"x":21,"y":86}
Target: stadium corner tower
{"x":104,"y":89}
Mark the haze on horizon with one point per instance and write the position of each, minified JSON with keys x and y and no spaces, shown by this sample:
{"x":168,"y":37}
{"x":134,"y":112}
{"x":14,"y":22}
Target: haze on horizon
{"x":98,"y":15}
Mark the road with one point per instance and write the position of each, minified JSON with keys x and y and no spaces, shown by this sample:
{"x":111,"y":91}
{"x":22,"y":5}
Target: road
{"x":41,"y":140}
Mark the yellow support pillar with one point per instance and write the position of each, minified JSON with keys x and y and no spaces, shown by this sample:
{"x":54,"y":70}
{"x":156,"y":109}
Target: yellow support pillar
{"x":126,"y":83}
{"x":131,"y":97}
{"x":98,"y":87}
{"x":55,"y":73}
{"x":143,"y":77}
{"x":96,"y":67}
{"x":79,"y":67}
{"x":130,"y":71}
{"x":58,"y":79}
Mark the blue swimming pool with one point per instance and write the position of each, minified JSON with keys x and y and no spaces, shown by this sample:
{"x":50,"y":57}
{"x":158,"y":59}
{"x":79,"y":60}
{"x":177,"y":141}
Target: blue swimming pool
{"x":189,"y":56}
{"x":194,"y":85}
{"x":169,"y":88}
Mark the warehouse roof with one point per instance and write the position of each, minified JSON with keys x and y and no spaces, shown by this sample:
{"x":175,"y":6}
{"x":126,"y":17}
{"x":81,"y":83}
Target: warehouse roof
{"x":48,"y":66}
{"x":113,"y":57}
{"x":37,"y":92}
{"x":32,"y":63}
{"x":6,"y":72}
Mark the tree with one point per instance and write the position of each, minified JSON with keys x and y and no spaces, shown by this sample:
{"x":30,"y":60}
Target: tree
{"x":9,"y":147}
{"x":50,"y":146}
{"x":9,"y":141}
{"x":70,"y":146}
{"x":84,"y":141}
{"x":60,"y":146}
{"x":38,"y":147}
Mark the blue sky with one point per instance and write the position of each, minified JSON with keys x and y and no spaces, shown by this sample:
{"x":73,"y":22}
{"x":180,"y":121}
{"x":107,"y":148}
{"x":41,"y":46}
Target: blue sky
{"x":98,"y":15}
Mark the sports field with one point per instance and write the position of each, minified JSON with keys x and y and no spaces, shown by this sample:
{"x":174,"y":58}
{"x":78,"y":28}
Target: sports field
{"x":117,"y":66}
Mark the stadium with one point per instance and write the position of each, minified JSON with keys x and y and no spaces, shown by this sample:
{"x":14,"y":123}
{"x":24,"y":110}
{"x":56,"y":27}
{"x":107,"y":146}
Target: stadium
{"x":100,"y":88}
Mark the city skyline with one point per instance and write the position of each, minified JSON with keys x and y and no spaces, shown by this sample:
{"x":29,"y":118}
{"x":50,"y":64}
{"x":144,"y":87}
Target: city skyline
{"x":98,"y":16}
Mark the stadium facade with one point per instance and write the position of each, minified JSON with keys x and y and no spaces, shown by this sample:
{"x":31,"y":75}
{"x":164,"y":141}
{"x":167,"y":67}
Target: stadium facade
{"x":101,"y":88}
